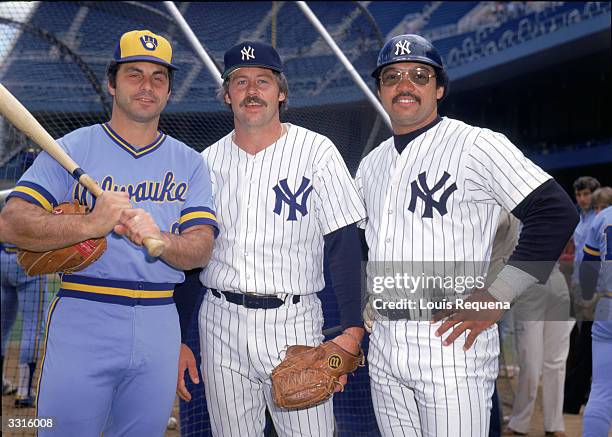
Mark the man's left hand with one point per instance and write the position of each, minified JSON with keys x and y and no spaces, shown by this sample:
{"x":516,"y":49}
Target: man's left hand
{"x":349,"y":341}
{"x":137,"y":224}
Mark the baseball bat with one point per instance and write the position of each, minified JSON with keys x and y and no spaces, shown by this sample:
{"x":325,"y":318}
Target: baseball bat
{"x":23,"y":120}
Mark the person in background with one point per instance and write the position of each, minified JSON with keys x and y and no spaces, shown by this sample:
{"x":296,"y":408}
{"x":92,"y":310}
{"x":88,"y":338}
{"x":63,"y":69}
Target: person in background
{"x":596,"y":278}
{"x":578,"y":374}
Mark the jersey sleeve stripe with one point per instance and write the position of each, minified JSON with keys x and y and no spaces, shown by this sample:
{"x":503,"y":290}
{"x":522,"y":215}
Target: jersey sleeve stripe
{"x":593,"y":251}
{"x":197,"y":208}
{"x":197,"y":214}
{"x":35,"y":194}
{"x":200,"y":221}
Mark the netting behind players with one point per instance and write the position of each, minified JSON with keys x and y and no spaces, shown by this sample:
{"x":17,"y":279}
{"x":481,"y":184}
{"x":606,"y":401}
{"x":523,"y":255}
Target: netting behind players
{"x":54,"y":57}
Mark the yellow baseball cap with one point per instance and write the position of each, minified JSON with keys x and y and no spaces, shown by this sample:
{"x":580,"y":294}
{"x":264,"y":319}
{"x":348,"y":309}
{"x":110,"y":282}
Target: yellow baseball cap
{"x":144,"y":45}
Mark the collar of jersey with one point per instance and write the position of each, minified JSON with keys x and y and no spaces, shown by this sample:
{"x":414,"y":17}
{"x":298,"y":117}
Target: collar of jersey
{"x":262,"y":154}
{"x":135,"y":152}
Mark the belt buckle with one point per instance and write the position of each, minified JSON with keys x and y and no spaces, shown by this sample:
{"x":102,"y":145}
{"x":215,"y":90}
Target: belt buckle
{"x":248,"y":300}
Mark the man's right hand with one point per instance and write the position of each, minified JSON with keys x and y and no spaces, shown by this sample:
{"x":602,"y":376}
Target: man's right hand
{"x":107,"y":211}
{"x":187,"y":362}
{"x":369,"y":317}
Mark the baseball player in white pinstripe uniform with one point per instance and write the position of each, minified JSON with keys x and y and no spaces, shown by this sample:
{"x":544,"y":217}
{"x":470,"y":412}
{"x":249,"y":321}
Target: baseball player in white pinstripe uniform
{"x":283,"y":197}
{"x":433,"y":194}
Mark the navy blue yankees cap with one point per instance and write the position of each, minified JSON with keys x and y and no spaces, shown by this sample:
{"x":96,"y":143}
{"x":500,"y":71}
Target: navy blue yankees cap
{"x":251,"y":54}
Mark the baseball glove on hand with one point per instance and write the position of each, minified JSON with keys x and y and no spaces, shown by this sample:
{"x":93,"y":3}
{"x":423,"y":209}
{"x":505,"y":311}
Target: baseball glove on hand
{"x":68,"y":259}
{"x":309,"y":375}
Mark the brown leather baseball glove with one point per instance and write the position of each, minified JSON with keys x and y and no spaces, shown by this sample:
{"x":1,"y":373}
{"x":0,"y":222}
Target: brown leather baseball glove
{"x":309,"y":375}
{"x":68,"y":259}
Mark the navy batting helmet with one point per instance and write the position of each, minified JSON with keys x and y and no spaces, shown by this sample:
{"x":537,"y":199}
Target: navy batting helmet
{"x":412,"y":48}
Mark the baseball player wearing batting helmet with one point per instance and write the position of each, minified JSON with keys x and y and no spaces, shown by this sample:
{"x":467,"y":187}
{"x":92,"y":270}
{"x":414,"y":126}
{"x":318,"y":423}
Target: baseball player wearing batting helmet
{"x":113,"y":339}
{"x":433,"y":194}
{"x":283,"y":196}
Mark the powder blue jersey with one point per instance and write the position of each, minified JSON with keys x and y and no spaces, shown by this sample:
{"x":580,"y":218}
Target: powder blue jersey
{"x":599,"y":244}
{"x":166,"y":178}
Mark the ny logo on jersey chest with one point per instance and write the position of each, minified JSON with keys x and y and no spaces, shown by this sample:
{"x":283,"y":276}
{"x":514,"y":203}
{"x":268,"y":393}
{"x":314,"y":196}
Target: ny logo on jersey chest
{"x":284,"y":195}
{"x":421,"y":190}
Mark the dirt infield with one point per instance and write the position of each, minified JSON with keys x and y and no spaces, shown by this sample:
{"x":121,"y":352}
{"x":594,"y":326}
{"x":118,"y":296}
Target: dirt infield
{"x":506,"y":387}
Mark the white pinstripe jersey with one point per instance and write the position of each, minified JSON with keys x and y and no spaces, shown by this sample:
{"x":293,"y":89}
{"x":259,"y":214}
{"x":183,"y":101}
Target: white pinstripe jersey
{"x":274,"y":208}
{"x":440,"y":199}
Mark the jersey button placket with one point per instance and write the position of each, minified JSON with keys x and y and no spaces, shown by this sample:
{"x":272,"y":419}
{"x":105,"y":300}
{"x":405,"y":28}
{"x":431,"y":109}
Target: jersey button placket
{"x":244,"y":174}
{"x":253,"y":172}
{"x":386,"y":231}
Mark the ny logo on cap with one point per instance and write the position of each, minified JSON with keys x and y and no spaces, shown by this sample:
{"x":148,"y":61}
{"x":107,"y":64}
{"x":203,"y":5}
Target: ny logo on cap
{"x":284,"y":195}
{"x":421,"y":190}
{"x":402,"y":48}
{"x":247,"y":53}
{"x":148,"y":42}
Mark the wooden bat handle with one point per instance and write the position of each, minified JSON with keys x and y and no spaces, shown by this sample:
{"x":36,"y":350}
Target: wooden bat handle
{"x":154,"y":246}
{"x":22,"y":119}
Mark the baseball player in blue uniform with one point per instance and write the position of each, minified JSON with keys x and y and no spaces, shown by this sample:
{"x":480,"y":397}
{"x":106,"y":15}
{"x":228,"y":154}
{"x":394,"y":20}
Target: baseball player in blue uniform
{"x":283,"y":196}
{"x":28,"y":295}
{"x":113,"y":338}
{"x":596,"y":276}
{"x":433,"y":194}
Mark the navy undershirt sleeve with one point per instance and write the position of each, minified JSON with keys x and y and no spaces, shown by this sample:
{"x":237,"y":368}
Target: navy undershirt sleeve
{"x":549,"y":219}
{"x":363,"y":243}
{"x":185,"y":297}
{"x":342,"y":249}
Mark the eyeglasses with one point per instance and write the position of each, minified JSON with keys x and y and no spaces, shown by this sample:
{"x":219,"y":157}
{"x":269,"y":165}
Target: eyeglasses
{"x":416,"y":75}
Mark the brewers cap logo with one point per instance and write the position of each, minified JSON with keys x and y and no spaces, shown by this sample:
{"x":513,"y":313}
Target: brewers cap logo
{"x":144,"y":45}
{"x":334,"y":361}
{"x":149,"y":42}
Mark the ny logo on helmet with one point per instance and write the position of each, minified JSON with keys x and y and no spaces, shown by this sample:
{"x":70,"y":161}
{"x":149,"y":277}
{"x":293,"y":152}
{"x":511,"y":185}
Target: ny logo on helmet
{"x":148,"y":42}
{"x":247,"y":53}
{"x":402,"y":47}
{"x":422,"y":191}
{"x":284,"y":195}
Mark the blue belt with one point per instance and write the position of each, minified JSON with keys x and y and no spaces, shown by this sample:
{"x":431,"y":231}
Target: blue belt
{"x":130,"y":293}
{"x":253,"y":302}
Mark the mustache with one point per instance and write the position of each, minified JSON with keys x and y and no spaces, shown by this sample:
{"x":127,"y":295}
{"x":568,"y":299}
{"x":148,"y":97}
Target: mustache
{"x":146,"y":96}
{"x":399,"y":96}
{"x":252,"y":99}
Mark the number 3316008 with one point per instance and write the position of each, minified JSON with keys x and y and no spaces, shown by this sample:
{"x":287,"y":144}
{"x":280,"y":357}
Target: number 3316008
{"x":29,"y":422}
